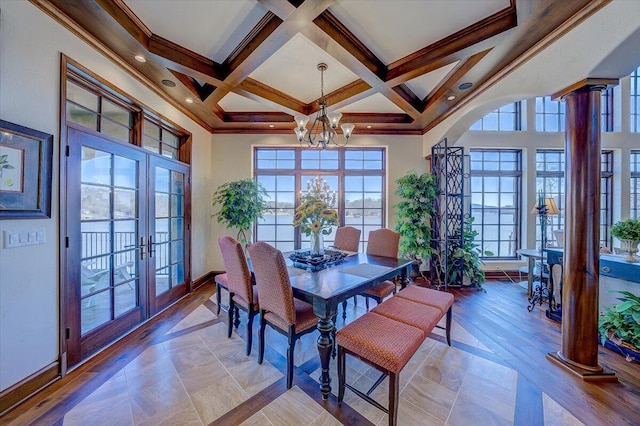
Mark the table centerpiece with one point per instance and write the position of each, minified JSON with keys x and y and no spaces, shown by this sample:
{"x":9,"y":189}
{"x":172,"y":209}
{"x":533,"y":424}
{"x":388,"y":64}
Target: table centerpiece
{"x":315,"y":218}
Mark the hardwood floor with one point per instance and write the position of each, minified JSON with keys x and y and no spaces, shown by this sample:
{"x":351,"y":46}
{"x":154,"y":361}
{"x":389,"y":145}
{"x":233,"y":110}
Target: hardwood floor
{"x":181,"y":369}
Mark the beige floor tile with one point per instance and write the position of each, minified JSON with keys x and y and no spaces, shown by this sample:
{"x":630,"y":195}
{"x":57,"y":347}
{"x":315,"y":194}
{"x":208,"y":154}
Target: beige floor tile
{"x":431,"y":397}
{"x":440,"y":372}
{"x":498,"y":389}
{"x":202,"y":376}
{"x":151,"y":400}
{"x":140,"y":377}
{"x":253,"y":377}
{"x":183,"y":414}
{"x":258,"y":419}
{"x":555,"y":415}
{"x":199,"y":315}
{"x":294,"y":407}
{"x":104,"y":408}
{"x":409,"y":414}
{"x":192,"y":356}
{"x":468,"y":412}
{"x":179,"y":343}
{"x":325,"y":419}
{"x":492,"y":372}
{"x":217,"y":399}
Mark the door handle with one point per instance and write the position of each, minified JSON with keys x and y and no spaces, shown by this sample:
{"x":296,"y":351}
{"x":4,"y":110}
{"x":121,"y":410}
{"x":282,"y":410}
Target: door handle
{"x":151,"y":249}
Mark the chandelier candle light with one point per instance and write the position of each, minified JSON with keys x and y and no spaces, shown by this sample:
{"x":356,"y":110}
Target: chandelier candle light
{"x":323,"y":130}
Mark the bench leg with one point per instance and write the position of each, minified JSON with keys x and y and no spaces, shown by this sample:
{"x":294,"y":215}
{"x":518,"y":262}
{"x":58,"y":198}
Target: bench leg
{"x":230,"y":314}
{"x":394,"y":387}
{"x":449,"y":315}
{"x":342,"y":372}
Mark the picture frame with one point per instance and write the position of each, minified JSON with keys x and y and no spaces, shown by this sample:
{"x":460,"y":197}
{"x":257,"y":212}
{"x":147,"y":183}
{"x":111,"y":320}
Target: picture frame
{"x":26,"y":161}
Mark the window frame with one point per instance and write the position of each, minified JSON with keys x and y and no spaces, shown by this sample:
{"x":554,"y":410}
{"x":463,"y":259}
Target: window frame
{"x":634,"y":166}
{"x":634,"y":98}
{"x":517,"y":119}
{"x":542,"y":113}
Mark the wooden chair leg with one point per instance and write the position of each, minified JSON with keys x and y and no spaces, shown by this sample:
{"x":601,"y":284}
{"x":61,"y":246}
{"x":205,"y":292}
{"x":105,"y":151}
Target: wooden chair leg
{"x":448,"y":331}
{"x":342,"y":374}
{"x":230,"y":315}
{"x":366,"y":302}
{"x":218,"y":299}
{"x":333,"y":337}
{"x":394,"y":386}
{"x":250,"y":315}
{"x":355,"y":301}
{"x":290,"y":351}
{"x":236,"y":323}
{"x":263,"y":324}
{"x":344,"y":310}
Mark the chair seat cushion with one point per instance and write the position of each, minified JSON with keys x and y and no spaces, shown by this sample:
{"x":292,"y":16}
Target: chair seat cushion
{"x":381,"y":290}
{"x":386,"y":343}
{"x":305,"y":318}
{"x":427,"y":296}
{"x":243,"y":302}
{"x":421,"y":316}
{"x":222,"y":280}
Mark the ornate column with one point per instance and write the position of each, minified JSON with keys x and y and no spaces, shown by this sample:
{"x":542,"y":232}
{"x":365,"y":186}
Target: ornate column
{"x":581,"y":264}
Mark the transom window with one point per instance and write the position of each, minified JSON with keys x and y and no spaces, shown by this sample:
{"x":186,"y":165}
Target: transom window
{"x":635,"y":185}
{"x":549,"y":115}
{"x":160,"y":140}
{"x":635,"y":100}
{"x":506,"y":118}
{"x":495,"y":200}
{"x":606,"y":110}
{"x":550,"y":168}
{"x":356,"y":175}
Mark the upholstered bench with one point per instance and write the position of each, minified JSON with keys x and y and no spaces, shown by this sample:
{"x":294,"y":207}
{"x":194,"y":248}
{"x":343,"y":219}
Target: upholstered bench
{"x":383,"y":343}
{"x":435,"y":298}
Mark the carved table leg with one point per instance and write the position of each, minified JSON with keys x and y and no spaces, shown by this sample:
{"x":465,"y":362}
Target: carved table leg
{"x":325,"y":347}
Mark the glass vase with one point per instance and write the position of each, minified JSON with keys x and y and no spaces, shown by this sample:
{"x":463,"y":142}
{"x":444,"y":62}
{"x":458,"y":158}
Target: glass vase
{"x":630,"y":247}
{"x":317,"y":244}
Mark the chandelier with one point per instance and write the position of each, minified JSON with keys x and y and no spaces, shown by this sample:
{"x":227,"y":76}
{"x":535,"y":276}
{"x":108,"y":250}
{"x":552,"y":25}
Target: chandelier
{"x":319,"y":189}
{"x":323,"y":130}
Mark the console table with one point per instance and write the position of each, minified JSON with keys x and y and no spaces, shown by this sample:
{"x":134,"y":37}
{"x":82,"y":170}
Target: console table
{"x":610,"y":266}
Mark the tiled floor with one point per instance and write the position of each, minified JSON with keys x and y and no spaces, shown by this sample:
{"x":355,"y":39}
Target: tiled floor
{"x":196,"y":375}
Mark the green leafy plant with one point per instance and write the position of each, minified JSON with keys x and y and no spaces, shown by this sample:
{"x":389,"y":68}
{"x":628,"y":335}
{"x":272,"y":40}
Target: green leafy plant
{"x":4,"y":164}
{"x":241,"y":204}
{"x":621,"y":323}
{"x":413,"y":219}
{"x":468,"y":254}
{"x":628,"y":229}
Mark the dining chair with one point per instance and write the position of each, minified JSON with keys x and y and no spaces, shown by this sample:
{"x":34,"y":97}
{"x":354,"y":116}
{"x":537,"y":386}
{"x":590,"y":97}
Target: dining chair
{"x":347,"y":239}
{"x":242,"y":295}
{"x":278,"y":308}
{"x":382,"y":242}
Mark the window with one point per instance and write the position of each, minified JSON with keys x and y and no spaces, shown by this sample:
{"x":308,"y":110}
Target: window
{"x":606,"y":110}
{"x":97,"y":112}
{"x":506,"y":118}
{"x":635,"y":185}
{"x":495,"y":200}
{"x":635,"y":100}
{"x":157,"y":138}
{"x":357,"y":176}
{"x":550,"y":181}
{"x":549,"y":115}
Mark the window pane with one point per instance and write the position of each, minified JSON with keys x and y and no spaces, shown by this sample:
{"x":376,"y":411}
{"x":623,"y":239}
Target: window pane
{"x":82,"y":96}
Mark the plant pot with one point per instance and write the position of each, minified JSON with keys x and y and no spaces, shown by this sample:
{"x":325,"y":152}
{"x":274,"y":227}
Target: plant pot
{"x":631,"y":353}
{"x":317,"y":244}
{"x":630,"y":247}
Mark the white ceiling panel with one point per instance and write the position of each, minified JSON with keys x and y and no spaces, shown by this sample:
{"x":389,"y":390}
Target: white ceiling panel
{"x":393,"y":30}
{"x":293,"y":70}
{"x":236,"y":103}
{"x":377,"y":103}
{"x":211,"y":28}
{"x":424,"y":84}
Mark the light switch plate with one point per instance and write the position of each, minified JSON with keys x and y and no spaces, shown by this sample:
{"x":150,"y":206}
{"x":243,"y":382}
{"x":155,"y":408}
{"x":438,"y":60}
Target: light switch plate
{"x":25,"y":237}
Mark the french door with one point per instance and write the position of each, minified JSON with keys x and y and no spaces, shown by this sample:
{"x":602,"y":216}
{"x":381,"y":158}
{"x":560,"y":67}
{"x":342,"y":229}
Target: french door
{"x":126,"y":243}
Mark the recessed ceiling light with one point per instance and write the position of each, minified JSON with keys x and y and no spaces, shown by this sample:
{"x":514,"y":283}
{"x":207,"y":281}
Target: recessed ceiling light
{"x":369,"y":126}
{"x":451,"y":97}
{"x":272,"y":125}
{"x":189,"y":100}
{"x":140,"y":58}
{"x":465,"y":86}
{"x":168,"y":83}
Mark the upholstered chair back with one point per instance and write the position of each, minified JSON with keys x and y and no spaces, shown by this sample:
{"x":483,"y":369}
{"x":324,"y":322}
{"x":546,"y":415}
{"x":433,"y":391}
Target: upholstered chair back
{"x":347,"y":238}
{"x":383,"y":242}
{"x":238,"y":274}
{"x":272,"y":279}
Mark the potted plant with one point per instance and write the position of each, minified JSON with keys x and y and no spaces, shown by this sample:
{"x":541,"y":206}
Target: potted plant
{"x":467,"y":255}
{"x":619,"y":326}
{"x":315,"y":218}
{"x":241,"y":204}
{"x":413,"y":217}
{"x":628,"y":232}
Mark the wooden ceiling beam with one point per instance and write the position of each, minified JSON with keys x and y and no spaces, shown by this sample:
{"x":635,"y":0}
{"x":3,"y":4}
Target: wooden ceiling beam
{"x":281,"y":8}
{"x":258,"y":117}
{"x":408,"y":95}
{"x":341,"y":94}
{"x":420,"y":62}
{"x":259,"y":91}
{"x":384,"y":118}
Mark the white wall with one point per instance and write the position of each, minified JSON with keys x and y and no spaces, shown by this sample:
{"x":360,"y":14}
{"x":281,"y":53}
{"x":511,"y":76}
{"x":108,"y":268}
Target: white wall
{"x":233,"y":160}
{"x":30,"y":47}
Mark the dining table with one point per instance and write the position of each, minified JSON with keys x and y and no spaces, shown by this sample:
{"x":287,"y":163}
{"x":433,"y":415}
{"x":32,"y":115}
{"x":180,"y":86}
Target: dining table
{"x":328,"y":288}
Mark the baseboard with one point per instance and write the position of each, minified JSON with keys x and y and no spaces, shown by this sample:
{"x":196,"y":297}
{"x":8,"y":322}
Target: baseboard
{"x":504,"y":275}
{"x":205,"y":279}
{"x":22,"y":390}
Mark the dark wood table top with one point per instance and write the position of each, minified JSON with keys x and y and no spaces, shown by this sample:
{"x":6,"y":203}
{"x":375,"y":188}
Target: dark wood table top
{"x":327,"y":288}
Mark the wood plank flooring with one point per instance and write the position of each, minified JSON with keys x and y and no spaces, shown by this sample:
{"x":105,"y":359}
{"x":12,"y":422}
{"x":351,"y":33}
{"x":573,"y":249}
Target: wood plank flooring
{"x":180,"y":368}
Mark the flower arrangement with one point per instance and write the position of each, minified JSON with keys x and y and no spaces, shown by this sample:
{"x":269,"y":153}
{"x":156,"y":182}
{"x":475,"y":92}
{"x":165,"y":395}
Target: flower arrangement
{"x":628,"y":229}
{"x":315,"y":216}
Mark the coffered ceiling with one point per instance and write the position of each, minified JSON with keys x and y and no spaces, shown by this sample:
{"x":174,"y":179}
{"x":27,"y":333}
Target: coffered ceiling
{"x":394,"y":66}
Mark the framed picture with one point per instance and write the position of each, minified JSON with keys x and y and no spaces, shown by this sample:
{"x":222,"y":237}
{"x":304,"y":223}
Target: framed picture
{"x":26,"y":159}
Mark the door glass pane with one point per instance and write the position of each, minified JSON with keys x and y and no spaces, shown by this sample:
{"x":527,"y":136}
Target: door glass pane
{"x":96,"y":166}
{"x":177,"y":183}
{"x":162,"y":280}
{"x":162,"y":180}
{"x":95,"y":275}
{"x":96,"y":239}
{"x":126,"y":175}
{"x":177,"y":228}
{"x":162,"y":205}
{"x":177,"y":274}
{"x":125,"y":237}
{"x":125,"y":297}
{"x":96,"y":310}
{"x":177,"y":205}
{"x":124,"y":201}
